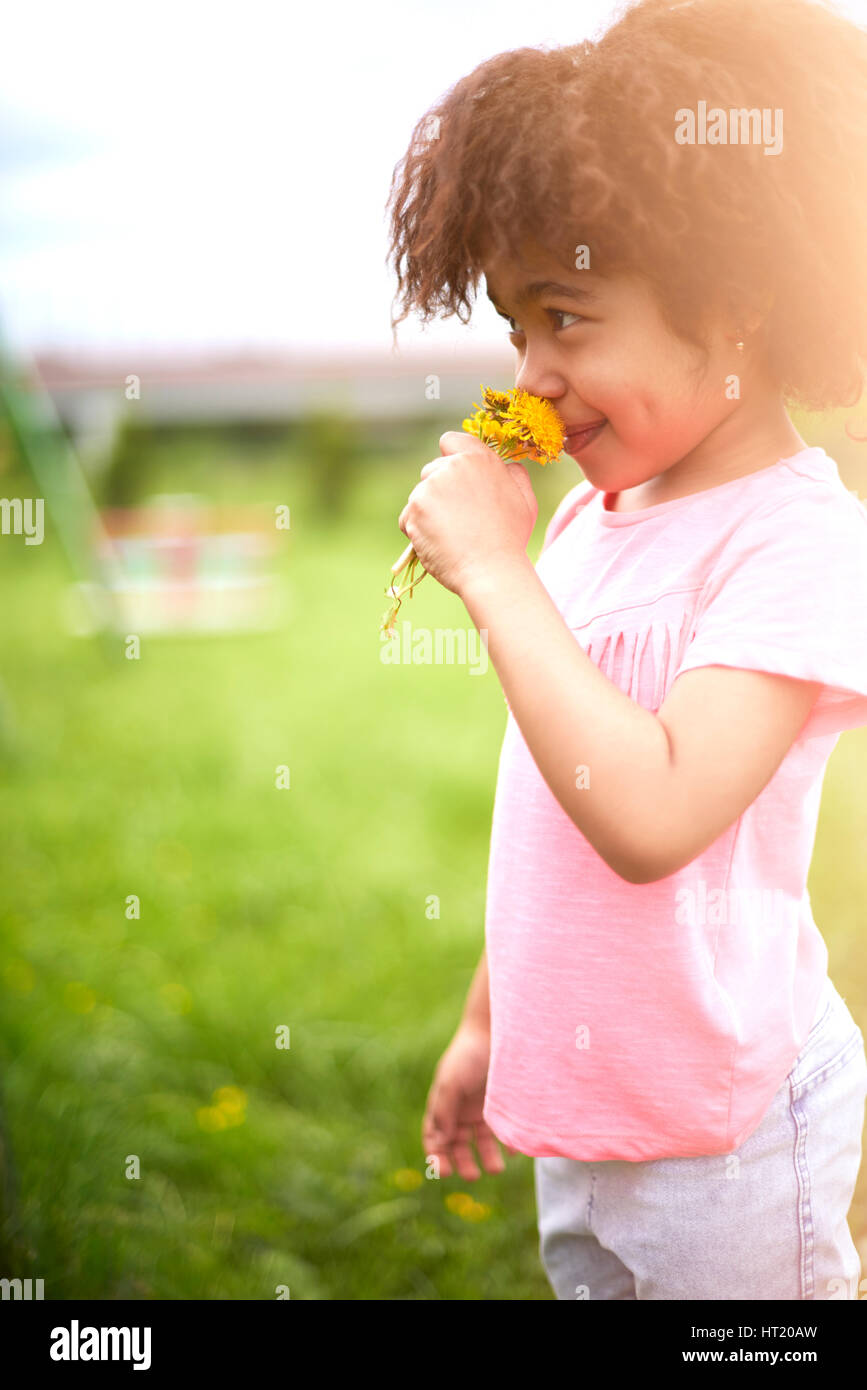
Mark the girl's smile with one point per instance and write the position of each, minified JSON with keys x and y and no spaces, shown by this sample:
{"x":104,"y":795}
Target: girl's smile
{"x":577,"y":440}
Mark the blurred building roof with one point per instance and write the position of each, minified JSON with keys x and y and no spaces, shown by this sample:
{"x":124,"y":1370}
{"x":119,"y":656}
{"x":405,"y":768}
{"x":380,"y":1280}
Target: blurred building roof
{"x":181,"y":387}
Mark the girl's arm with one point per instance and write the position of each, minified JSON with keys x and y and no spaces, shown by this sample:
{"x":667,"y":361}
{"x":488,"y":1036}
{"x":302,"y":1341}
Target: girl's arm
{"x":662,"y":787}
{"x":477,"y":1010}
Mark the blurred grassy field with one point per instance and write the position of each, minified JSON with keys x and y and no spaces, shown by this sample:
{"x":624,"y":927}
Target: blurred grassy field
{"x":263,"y":907}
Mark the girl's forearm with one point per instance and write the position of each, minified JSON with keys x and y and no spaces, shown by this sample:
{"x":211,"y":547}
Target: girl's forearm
{"x":573,"y":717}
{"x":477,"y":1010}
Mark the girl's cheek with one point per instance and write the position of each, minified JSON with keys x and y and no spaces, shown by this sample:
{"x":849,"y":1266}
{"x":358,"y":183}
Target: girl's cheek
{"x":606,"y":379}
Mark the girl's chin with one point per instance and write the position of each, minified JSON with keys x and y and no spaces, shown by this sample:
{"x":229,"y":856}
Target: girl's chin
{"x":597,"y":476}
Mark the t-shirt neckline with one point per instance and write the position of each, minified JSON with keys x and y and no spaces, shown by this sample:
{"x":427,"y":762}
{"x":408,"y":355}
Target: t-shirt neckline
{"x":609,"y":518}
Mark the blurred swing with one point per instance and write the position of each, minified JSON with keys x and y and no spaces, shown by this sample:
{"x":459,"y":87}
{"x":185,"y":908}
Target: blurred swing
{"x":175,"y":564}
{"x":187,"y":566}
{"x":49,"y":458}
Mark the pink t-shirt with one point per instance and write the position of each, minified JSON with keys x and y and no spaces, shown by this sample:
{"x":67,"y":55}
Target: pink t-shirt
{"x":641,"y":1021}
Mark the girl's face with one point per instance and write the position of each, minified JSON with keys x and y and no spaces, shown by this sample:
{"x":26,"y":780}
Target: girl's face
{"x":599,"y":350}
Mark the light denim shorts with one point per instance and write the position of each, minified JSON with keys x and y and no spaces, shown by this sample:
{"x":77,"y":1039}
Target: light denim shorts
{"x":766,"y":1222}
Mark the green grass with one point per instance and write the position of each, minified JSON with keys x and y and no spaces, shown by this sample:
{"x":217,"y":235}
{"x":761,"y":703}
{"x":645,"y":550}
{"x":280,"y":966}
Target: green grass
{"x":259,"y":907}
{"x":263,"y":907}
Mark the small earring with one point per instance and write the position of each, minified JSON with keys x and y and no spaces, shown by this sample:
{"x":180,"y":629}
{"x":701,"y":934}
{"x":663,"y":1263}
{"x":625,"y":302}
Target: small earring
{"x":740,"y":343}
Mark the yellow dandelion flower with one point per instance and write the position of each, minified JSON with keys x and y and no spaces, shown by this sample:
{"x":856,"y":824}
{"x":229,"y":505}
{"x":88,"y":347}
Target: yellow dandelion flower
{"x":518,"y":424}
{"x":407,"y":1179}
{"x":210,"y":1118}
{"x":231,"y":1103}
{"x":479,"y":1211}
{"x":497,"y":401}
{"x":458,"y":1202}
{"x":489,"y":430}
{"x":474,"y":423}
{"x":537,"y":422}
{"x":228,"y":1110}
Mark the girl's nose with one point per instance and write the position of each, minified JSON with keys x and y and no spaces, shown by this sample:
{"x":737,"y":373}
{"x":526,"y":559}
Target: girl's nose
{"x":539,"y":376}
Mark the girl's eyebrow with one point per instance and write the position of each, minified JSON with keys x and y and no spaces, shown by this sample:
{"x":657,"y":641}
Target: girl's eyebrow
{"x":537,"y":288}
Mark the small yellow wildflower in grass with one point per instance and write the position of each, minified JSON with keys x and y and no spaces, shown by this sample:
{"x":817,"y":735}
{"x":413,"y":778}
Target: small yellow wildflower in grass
{"x":516,"y":424}
{"x":479,"y":1211}
{"x":227,"y":1111}
{"x":466,"y":1207}
{"x":209,"y":1118}
{"x":457,"y":1202}
{"x":233,"y":1103}
{"x":407,"y":1179}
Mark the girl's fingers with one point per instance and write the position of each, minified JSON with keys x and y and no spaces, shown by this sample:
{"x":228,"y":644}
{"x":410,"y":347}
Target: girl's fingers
{"x":443,"y":1157}
{"x":459,"y":441}
{"x":432,"y":467}
{"x":488,"y":1150}
{"x":437,"y":1130}
{"x":463,"y":1155}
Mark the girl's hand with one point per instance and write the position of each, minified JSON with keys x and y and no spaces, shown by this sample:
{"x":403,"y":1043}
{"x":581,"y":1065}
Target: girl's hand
{"x":471,"y":509}
{"x":453,"y":1118}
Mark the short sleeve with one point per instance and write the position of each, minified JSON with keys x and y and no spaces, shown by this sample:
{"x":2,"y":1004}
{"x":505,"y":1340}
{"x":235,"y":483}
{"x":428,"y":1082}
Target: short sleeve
{"x":788,"y":595}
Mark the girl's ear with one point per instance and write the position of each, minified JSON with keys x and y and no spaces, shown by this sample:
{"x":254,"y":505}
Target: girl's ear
{"x":748,"y":321}
{"x":738,"y":320}
{"x":754,"y":321}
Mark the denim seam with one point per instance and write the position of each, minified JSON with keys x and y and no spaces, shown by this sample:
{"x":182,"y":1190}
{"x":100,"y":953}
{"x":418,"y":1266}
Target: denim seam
{"x":797,"y":1091}
{"x":805,"y":1212}
{"x":806,"y":1083}
{"x":814,"y":1034}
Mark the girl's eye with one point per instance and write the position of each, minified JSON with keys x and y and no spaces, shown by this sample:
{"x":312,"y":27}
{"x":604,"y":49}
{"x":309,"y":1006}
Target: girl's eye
{"x":514,"y":326}
{"x":565,"y":314}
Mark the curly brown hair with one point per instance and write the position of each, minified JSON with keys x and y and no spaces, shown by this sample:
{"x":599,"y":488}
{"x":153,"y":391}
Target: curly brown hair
{"x":570,"y":145}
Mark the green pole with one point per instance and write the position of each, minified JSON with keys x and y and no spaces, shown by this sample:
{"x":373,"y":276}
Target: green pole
{"x":54,"y":466}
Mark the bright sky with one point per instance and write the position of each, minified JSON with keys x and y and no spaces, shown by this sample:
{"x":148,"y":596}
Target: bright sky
{"x":181,"y":174}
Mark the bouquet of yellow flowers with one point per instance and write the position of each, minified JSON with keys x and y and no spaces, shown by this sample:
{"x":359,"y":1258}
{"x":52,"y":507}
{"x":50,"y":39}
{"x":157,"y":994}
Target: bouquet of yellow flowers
{"x":514,"y":423}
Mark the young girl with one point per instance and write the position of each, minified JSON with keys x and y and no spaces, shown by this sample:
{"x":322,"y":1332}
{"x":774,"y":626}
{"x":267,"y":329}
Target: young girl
{"x":652,"y":1018}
